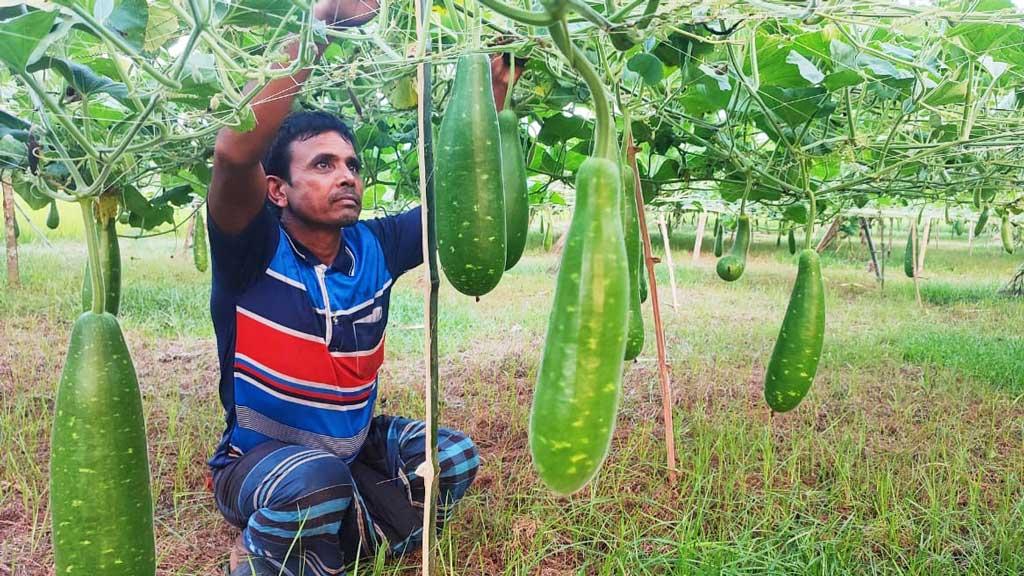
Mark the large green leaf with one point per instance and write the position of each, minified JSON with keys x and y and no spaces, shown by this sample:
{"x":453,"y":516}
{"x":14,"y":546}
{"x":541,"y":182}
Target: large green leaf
{"x":706,"y":93}
{"x":20,"y":36}
{"x":82,"y":78}
{"x":129,"y":19}
{"x":13,"y":153}
{"x":795,"y":106}
{"x":647,"y":66}
{"x":561,"y":128}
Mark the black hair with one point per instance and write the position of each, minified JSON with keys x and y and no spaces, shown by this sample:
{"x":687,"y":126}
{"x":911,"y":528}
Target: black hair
{"x":300,"y":126}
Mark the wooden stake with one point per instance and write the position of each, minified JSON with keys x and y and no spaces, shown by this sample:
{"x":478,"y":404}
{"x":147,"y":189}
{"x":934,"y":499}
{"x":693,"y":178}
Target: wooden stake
{"x":659,"y":331}
{"x":885,"y":257}
{"x":429,"y":469}
{"x":701,"y":221}
{"x":871,"y":248}
{"x":924,"y":245}
{"x":668,"y":260}
{"x":829,"y":236}
{"x":970,"y":238}
{"x":13,"y":276}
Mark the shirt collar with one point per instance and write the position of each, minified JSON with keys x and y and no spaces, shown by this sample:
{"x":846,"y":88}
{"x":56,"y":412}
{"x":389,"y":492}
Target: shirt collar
{"x":344,"y":261}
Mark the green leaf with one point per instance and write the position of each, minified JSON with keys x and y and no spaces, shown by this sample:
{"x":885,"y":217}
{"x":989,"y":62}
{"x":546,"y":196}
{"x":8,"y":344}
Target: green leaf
{"x":20,"y":36}
{"x":82,"y":78}
{"x":161,"y":26}
{"x":560,"y":128}
{"x":648,"y":67}
{"x":13,"y":153}
{"x":130,"y":19}
{"x":797,"y":105}
{"x":796,"y":213}
{"x":807,"y":68}
{"x":13,"y":126}
{"x":30,"y":194}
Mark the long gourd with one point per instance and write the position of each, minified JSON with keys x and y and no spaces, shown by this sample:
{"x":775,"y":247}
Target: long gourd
{"x":979,"y":227}
{"x":719,"y":238}
{"x":580,"y":376}
{"x":791,"y":241}
{"x":517,"y":196}
{"x":631,"y":234}
{"x":471,"y":244}
{"x":1006,"y":233}
{"x":797,"y":351}
{"x":99,"y":472}
{"x":909,"y":254}
{"x":730,"y":267}
{"x":200,"y":256}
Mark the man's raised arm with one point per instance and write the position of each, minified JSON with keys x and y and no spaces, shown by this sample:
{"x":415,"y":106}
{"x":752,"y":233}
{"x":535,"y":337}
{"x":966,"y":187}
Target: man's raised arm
{"x":238,"y":186}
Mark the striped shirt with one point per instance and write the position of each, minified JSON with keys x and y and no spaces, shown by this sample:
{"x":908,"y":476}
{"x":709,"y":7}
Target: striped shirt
{"x":301,"y":342}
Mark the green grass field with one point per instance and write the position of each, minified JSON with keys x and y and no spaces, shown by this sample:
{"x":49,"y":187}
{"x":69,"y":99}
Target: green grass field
{"x":906,"y":458}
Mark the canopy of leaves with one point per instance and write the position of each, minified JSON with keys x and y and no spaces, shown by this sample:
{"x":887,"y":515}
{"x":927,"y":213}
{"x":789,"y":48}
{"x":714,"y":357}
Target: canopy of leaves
{"x":855,"y":103}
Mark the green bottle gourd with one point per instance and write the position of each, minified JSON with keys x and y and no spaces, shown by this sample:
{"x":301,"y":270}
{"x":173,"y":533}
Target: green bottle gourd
{"x":200,"y":255}
{"x":53,"y":217}
{"x":470,"y":197}
{"x":1006,"y":233}
{"x":631,"y":234}
{"x":517,"y":195}
{"x":792,"y":242}
{"x":909,"y":264}
{"x":100,"y":497}
{"x":110,"y":264}
{"x":797,"y":352}
{"x":578,"y":384}
{"x":719,"y":238}
{"x":730,"y":267}
{"x":982,"y":221}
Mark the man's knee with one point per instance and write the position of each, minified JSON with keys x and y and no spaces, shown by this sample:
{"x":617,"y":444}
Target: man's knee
{"x":307,"y":496}
{"x":458,"y":460}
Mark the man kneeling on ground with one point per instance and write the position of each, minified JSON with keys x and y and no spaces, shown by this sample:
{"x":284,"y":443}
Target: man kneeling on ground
{"x":299,"y":303}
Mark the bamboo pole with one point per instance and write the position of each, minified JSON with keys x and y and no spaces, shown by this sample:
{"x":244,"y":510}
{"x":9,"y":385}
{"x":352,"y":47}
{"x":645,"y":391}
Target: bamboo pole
{"x":668,"y":260}
{"x":699,"y":239}
{"x":871,"y":248}
{"x":429,"y":469}
{"x":659,"y":331}
{"x":13,"y":276}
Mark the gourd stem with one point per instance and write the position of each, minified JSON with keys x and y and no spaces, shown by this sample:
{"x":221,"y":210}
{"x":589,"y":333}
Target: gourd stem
{"x":93,"y":242}
{"x":812,"y":210}
{"x":604,"y":133}
{"x":511,"y":81}
{"x":527,"y":17}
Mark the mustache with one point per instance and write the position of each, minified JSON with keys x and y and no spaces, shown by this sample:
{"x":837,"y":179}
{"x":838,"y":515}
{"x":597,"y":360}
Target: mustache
{"x":346,"y":193}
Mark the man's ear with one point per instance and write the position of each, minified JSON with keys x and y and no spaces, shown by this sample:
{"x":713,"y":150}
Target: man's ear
{"x":275,"y":191}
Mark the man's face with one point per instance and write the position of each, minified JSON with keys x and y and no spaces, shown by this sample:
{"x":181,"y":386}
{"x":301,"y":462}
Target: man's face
{"x":326,"y":189}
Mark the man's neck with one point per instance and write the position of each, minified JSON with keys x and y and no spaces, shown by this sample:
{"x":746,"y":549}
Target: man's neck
{"x":324,"y":243}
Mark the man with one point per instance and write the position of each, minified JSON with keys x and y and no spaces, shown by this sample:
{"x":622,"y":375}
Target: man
{"x":299,"y":303}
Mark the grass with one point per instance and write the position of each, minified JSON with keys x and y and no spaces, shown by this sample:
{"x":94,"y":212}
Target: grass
{"x":904,"y":459}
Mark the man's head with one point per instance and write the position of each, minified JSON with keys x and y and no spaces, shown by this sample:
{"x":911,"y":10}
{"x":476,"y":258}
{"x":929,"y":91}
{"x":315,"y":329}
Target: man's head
{"x":313,"y":172}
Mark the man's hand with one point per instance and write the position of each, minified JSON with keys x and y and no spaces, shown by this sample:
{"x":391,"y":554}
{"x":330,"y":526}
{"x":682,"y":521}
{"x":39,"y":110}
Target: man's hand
{"x":501,"y":76}
{"x":346,"y":13}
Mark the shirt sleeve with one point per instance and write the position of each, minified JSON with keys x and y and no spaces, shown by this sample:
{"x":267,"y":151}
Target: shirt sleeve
{"x":401,"y":240}
{"x":239,"y":258}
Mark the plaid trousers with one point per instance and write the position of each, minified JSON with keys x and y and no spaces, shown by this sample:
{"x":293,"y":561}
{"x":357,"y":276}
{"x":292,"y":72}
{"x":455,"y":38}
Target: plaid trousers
{"x":310,"y":513}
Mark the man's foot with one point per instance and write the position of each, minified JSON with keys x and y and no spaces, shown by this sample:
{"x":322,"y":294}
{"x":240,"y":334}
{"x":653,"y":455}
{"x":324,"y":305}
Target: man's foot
{"x":255,"y":566}
{"x":243,"y":564}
